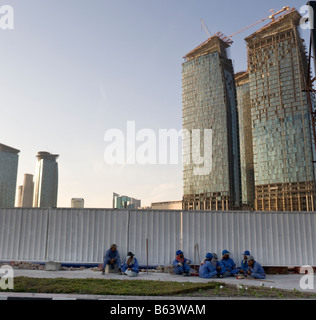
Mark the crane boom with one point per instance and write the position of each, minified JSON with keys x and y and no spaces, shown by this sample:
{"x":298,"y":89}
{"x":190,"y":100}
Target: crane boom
{"x":271,"y":16}
{"x":205,"y":28}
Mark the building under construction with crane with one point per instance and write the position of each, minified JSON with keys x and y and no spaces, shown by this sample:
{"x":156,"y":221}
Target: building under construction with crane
{"x":282,"y":135}
{"x":276,"y":146}
{"x":209,"y":102}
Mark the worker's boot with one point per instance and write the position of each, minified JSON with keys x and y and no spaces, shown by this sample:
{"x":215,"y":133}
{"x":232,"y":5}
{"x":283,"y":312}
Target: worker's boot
{"x":103,"y":271}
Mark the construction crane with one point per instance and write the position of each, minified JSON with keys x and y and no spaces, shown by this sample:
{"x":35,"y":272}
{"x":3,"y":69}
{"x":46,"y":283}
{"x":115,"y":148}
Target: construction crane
{"x":205,"y":28}
{"x":229,"y":40}
{"x":271,"y":16}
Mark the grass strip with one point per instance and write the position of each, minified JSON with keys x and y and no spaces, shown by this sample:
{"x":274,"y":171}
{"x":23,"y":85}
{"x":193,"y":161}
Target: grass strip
{"x":107,"y":287}
{"x":149,"y":288}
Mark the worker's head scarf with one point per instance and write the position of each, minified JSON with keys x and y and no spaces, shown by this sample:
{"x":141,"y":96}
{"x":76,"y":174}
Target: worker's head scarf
{"x":130,"y":255}
{"x":179,"y":256}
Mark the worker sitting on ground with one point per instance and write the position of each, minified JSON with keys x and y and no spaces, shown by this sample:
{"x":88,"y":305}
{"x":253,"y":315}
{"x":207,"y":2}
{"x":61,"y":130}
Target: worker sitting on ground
{"x":228,"y":265}
{"x":181,"y":264}
{"x":255,"y":269}
{"x":207,"y":270}
{"x":112,"y":258}
{"x":216,"y":264}
{"x":130,"y":266}
{"x":244,"y":264}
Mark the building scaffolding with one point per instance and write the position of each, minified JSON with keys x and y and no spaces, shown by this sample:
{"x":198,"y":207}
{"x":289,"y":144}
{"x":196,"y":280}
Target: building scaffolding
{"x":283,"y":140}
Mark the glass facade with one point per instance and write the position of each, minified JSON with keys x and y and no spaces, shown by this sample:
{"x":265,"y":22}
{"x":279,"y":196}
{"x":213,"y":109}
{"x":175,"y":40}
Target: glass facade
{"x":209,"y":102}
{"x":46,"y":181}
{"x":280,"y":115}
{"x":8,"y":175}
{"x":245,"y":138}
{"x":125,"y":202}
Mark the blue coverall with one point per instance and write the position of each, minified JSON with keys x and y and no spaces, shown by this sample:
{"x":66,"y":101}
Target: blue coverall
{"x":257,"y":271}
{"x":228,"y":267}
{"x":184,"y":268}
{"x":110,"y":255}
{"x":207,"y":270}
{"x":133,"y":266}
{"x":244,"y":265}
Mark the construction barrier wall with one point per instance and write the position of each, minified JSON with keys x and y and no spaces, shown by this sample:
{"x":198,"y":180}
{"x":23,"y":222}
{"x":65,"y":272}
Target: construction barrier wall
{"x":82,"y":235}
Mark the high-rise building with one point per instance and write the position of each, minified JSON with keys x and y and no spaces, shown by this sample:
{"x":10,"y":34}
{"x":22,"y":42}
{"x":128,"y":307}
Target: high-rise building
{"x":283,"y":145}
{"x":9,"y":159}
{"x":125,"y":202}
{"x":245,"y":139}
{"x":46,"y":180}
{"x":209,"y":103}
{"x":20,"y":191}
{"x":25,"y":193}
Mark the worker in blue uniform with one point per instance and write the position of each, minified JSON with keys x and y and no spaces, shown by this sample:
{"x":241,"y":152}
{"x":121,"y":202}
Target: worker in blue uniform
{"x":216,"y":264}
{"x":228,"y":265}
{"x":207,"y":270}
{"x":181,"y":265}
{"x":255,"y":269}
{"x":112,"y":258}
{"x":244,"y":264}
{"x":130,"y":266}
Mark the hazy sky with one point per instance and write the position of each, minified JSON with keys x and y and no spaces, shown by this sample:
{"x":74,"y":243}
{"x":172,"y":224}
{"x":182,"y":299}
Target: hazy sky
{"x":71,"y":70}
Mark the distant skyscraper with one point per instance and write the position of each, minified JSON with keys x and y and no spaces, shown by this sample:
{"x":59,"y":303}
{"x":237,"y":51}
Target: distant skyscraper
{"x":281,"y":117}
{"x":20,"y":191}
{"x":8,"y":175}
{"x":245,"y":138}
{"x":209,"y":102}
{"x":46,"y":180}
{"x":125,"y":202}
{"x":25,"y":196}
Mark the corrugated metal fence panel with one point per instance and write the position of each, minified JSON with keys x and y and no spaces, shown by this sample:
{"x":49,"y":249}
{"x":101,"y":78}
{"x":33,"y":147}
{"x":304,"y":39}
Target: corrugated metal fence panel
{"x":33,"y":234}
{"x":161,"y":228}
{"x":10,"y":229}
{"x":83,"y":235}
{"x":206,"y":231}
{"x":77,"y":235}
{"x":23,"y":234}
{"x":274,"y":238}
{"x":112,"y":226}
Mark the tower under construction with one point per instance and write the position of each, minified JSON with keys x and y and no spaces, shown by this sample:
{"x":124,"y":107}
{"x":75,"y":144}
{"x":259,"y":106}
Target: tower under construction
{"x":283,"y":143}
{"x":245,"y":139}
{"x":209,"y":103}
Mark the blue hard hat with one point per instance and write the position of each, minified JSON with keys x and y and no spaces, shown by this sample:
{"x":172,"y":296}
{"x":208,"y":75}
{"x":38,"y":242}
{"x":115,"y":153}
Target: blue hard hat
{"x":209,"y":256}
{"x":246,"y":253}
{"x":225,"y":252}
{"x":178,"y":252}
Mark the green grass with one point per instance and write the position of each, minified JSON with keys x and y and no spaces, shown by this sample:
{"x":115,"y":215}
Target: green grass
{"x":149,"y":288}
{"x":106,"y":287}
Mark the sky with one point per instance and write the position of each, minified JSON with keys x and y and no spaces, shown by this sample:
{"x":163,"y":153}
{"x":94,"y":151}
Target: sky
{"x":73,"y":70}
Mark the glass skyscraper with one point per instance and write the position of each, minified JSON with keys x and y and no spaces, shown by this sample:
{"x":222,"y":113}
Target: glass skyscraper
{"x":46,"y":181}
{"x":125,"y":202}
{"x":209,"y":103}
{"x":245,"y":138}
{"x":283,"y":146}
{"x":8,"y":175}
{"x":25,"y":198}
